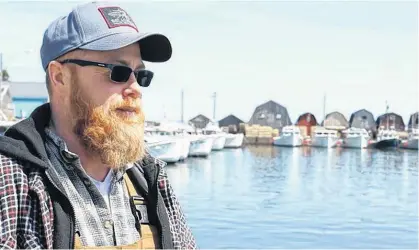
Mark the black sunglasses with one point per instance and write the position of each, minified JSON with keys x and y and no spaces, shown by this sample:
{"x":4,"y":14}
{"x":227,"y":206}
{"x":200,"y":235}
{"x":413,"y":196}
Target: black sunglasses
{"x":119,"y":73}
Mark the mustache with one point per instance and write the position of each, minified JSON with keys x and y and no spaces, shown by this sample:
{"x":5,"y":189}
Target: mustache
{"x":137,"y":110}
{"x":131,"y":106}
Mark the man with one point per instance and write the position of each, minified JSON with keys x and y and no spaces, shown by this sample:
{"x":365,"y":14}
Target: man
{"x":76,"y":173}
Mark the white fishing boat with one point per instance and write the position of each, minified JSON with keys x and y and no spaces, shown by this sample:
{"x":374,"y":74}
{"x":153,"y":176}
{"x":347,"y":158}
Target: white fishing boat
{"x":234,"y":140}
{"x":186,"y":143}
{"x":165,"y":150}
{"x":174,"y":131}
{"x":214,"y":131}
{"x":290,"y":137}
{"x":412,"y":141}
{"x":219,"y":141}
{"x":355,"y":138}
{"x":325,"y":138}
{"x":200,"y":145}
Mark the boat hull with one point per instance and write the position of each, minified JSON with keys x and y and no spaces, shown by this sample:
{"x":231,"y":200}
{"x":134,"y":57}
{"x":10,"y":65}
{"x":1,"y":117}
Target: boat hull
{"x":167,"y":151}
{"x":200,"y":147}
{"x":218,"y":142}
{"x":411,"y":144}
{"x":388,"y":143}
{"x":234,"y":140}
{"x":324,"y":142}
{"x":185,"y":148}
{"x":355,"y":142}
{"x":288,"y":141}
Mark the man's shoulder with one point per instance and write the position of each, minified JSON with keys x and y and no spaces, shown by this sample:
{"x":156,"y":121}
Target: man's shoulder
{"x":151,"y":165}
{"x":12,"y":175}
{"x":12,"y":168}
{"x":9,"y":165}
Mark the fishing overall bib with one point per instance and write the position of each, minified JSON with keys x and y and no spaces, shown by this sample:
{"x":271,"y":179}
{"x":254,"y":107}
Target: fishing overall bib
{"x":149,"y":238}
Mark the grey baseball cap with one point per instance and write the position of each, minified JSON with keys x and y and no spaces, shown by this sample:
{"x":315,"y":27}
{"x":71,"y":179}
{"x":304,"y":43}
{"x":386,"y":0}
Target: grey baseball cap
{"x":100,"y":26}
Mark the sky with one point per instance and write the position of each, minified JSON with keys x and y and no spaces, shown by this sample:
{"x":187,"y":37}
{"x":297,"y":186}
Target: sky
{"x":360,"y":54}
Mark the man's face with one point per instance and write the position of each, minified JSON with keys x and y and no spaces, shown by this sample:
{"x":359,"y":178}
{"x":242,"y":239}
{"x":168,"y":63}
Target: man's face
{"x":107,"y":117}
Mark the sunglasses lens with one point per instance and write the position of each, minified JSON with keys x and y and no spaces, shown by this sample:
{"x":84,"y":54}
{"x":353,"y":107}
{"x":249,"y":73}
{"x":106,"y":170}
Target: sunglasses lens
{"x":144,"y":77}
{"x":120,"y":74}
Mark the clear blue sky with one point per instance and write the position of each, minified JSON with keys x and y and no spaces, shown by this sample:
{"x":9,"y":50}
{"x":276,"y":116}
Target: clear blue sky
{"x":359,"y":53}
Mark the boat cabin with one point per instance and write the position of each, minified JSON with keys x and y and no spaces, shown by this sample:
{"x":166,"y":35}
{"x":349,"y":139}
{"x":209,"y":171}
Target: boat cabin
{"x":387,"y":134}
{"x":290,"y":130}
{"x":325,"y":133}
{"x":356,"y":132}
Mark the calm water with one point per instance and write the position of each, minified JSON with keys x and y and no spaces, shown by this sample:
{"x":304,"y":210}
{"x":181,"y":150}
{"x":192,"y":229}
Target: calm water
{"x":271,"y":197}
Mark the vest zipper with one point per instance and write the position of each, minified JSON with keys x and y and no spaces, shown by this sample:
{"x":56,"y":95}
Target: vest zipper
{"x":73,"y":215}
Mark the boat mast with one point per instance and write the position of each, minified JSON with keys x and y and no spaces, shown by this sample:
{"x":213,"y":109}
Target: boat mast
{"x":388,"y":127}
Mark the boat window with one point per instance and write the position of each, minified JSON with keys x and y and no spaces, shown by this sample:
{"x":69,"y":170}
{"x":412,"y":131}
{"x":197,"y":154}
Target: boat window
{"x":278,"y":116}
{"x":262,"y":116}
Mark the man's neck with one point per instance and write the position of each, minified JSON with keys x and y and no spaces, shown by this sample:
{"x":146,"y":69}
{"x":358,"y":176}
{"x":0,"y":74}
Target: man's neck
{"x":91,"y":163}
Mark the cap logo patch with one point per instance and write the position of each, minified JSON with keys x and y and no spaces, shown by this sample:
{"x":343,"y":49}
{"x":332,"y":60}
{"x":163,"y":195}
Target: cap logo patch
{"x":116,"y":17}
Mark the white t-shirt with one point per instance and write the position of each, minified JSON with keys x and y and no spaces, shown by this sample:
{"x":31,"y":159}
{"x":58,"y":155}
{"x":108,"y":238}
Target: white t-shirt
{"x":105,"y":186}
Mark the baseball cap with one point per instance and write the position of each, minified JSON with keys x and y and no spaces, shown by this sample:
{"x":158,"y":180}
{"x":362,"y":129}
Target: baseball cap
{"x":100,"y":26}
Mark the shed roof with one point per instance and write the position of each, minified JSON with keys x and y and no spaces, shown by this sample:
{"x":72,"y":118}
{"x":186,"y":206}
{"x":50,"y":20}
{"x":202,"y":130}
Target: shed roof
{"x":271,"y":114}
{"x":335,"y":120}
{"x":414,"y":120}
{"x":229,"y":120}
{"x":391,"y":119}
{"x":363,"y":119}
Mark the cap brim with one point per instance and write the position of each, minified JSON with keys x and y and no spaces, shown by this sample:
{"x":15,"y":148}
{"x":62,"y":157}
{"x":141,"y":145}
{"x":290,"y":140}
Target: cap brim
{"x":154,"y":47}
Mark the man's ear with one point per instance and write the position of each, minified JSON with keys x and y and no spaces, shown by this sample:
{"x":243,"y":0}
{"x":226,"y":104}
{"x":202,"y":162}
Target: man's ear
{"x":56,"y":76}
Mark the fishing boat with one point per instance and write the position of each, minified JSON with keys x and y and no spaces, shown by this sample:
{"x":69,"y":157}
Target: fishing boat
{"x":165,"y":145}
{"x":290,"y":137}
{"x":214,"y":131}
{"x":387,"y":138}
{"x":355,"y":138}
{"x":166,"y":150}
{"x":234,"y":140}
{"x":325,"y":138}
{"x":412,"y":141}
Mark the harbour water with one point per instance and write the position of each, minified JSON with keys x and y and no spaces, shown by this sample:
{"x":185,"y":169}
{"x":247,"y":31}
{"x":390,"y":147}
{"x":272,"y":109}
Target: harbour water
{"x":272,"y":197}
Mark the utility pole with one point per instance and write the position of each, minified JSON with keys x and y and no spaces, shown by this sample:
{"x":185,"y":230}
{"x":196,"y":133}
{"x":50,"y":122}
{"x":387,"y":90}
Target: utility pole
{"x":181,"y":114}
{"x":387,"y":116}
{"x":324,"y":106}
{"x":214,"y":108}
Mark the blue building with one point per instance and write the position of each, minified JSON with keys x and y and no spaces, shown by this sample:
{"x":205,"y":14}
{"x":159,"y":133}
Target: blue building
{"x":26,"y":96}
